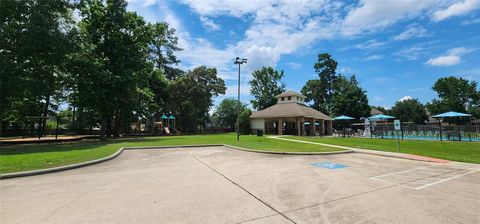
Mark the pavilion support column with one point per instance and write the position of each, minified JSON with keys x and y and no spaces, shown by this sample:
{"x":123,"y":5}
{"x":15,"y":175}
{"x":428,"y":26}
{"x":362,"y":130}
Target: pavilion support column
{"x":329,"y":127}
{"x":322,"y":127}
{"x":302,"y":125}
{"x":280,"y":126}
{"x":299,"y":129}
{"x":312,"y":127}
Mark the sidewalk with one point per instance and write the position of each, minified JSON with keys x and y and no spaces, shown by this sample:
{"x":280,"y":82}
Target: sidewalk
{"x":371,"y":152}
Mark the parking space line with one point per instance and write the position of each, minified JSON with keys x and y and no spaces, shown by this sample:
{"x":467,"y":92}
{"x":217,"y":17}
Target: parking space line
{"x":438,"y":173}
{"x":403,"y":171}
{"x":446,"y":179}
{"x":388,"y":182}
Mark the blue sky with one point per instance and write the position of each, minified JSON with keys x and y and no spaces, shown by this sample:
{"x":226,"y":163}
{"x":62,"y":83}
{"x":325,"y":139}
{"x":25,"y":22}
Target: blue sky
{"x":396,"y":49}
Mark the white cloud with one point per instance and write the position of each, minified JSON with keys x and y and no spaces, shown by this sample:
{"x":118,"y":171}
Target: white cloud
{"x":457,"y":9}
{"x":452,"y":57}
{"x":411,"y":53}
{"x":374,"y":14}
{"x":345,"y":70}
{"x":232,"y":90}
{"x":411,"y":32}
{"x":405,"y":98}
{"x":444,"y":60}
{"x":209,"y":24}
{"x":371,"y":44}
{"x":372,"y":57}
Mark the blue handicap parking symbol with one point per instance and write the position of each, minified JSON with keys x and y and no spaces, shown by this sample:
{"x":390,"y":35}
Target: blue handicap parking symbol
{"x":329,"y":165}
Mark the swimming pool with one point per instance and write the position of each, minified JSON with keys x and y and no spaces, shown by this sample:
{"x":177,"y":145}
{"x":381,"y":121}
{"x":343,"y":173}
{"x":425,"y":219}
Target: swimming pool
{"x":445,"y":138}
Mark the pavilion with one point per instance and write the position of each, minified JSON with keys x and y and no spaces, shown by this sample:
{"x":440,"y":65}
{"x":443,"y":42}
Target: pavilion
{"x":292,"y":117}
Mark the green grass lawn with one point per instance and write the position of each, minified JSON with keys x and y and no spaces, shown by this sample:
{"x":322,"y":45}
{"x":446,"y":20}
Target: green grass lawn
{"x":455,"y":151}
{"x":40,"y":156}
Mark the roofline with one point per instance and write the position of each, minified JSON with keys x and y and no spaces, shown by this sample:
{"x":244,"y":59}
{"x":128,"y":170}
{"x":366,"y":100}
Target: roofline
{"x":262,"y":117}
{"x":294,"y":94}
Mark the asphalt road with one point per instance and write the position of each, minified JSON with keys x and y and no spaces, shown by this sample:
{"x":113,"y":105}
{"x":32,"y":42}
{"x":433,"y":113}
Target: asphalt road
{"x":222,"y":185}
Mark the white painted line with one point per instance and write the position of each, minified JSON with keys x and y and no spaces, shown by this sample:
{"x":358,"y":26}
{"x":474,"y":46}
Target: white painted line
{"x":388,"y":182}
{"x":447,"y":179}
{"x":403,"y":171}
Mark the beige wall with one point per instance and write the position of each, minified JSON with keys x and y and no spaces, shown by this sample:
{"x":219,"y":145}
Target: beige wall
{"x":257,"y":123}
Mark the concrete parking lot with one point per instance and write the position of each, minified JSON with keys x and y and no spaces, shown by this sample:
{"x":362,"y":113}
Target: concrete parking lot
{"x":222,"y":185}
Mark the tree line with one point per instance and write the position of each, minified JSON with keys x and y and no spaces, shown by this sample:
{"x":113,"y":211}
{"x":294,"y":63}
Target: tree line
{"x":335,"y":94}
{"x":109,"y":66}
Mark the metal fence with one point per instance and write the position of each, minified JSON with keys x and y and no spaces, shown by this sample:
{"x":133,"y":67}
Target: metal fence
{"x":429,"y":132}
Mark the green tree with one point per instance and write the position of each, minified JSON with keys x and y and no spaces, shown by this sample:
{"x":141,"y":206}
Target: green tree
{"x":112,"y":70}
{"x":191,"y":97}
{"x":410,"y":110}
{"x":313,"y":91}
{"x":36,"y":36}
{"x":226,"y":112}
{"x":163,"y":44}
{"x":265,"y":85}
{"x":320,"y":91}
{"x":244,"y":121}
{"x":455,"y":94}
{"x":326,"y":67}
{"x":349,"y":98}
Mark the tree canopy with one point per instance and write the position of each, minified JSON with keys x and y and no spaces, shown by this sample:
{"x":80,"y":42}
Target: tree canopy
{"x":410,"y":110}
{"x":455,"y":94}
{"x":226,"y":112}
{"x":265,"y":85}
{"x":320,"y":91}
{"x":108,"y":65}
{"x":349,"y":98}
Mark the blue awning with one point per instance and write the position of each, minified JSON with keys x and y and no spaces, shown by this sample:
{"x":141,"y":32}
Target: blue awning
{"x":164,"y":117}
{"x":381,"y":117}
{"x":343,"y":117}
{"x":451,"y":114}
{"x":171,"y":117}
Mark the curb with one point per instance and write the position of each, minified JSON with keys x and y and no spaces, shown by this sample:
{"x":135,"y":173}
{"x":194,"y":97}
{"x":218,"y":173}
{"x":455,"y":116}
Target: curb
{"x":60,"y":168}
{"x":92,"y":162}
{"x":288,"y":153}
{"x":373,"y":152}
{"x":405,"y":156}
{"x":118,"y":152}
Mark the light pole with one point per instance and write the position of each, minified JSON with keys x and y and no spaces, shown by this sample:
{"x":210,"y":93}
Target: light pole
{"x":239,"y":62}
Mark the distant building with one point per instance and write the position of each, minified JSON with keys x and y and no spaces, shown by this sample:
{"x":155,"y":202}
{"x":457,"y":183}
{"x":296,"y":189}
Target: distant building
{"x":292,"y":117}
{"x":374,"y":111}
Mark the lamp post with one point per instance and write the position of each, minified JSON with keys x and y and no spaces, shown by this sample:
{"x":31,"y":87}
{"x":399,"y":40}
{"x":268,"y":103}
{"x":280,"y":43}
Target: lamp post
{"x":239,"y":62}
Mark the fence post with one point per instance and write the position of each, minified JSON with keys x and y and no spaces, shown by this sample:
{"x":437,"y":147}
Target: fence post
{"x":440,"y":129}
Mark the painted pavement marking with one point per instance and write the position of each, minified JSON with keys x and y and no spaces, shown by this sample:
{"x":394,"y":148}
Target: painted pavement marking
{"x":423,"y":177}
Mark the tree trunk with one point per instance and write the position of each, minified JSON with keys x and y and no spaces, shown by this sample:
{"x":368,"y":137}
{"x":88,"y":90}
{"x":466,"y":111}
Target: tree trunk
{"x":109,"y":127}
{"x":73,"y":116}
{"x":45,"y":113}
{"x":103,"y":128}
{"x":116,"y":131}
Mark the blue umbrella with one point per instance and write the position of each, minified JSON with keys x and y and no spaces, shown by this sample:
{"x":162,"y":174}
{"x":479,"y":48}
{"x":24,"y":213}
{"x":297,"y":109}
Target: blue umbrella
{"x":381,"y":117}
{"x":451,"y":114}
{"x":343,"y":117}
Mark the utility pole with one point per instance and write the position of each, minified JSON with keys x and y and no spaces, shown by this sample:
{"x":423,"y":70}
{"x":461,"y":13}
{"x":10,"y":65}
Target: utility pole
{"x":239,"y":63}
